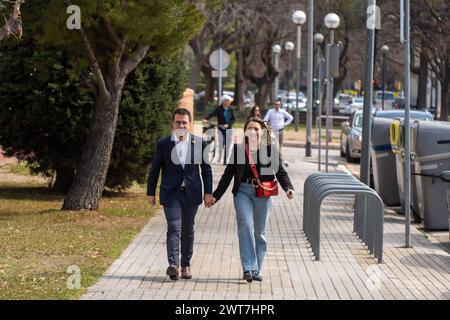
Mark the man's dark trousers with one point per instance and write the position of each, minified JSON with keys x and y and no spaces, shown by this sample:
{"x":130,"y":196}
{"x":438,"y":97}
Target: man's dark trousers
{"x":180,"y":220}
{"x":180,"y":206}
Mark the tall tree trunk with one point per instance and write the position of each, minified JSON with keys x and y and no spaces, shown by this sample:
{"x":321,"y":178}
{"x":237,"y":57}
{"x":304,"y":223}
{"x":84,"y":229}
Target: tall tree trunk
{"x":196,"y":45}
{"x":343,"y":70}
{"x":337,"y":83}
{"x":240,"y":84}
{"x":259,"y":69}
{"x":262,"y":94}
{"x":90,"y":177}
{"x":194,"y":76}
{"x":423,"y":78}
{"x":210,"y":87}
{"x":64,"y":179}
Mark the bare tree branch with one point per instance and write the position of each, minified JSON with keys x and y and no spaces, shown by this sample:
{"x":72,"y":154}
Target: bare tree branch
{"x":95,"y":66}
{"x":89,"y":81}
{"x":13,"y":26}
{"x":136,"y":57}
{"x":102,"y":87}
{"x":113,"y":35}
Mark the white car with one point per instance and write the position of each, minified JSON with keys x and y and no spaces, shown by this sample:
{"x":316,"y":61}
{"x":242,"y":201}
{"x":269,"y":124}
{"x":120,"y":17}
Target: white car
{"x":389,"y":99}
{"x":201,"y":94}
{"x":292,"y":100}
{"x":355,"y":105}
{"x":341,"y":101}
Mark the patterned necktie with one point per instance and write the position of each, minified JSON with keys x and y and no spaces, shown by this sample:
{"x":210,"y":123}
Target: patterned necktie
{"x":181,"y":154}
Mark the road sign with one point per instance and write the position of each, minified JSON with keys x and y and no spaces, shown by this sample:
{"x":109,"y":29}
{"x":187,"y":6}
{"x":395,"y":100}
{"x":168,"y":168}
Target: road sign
{"x":335,"y":51}
{"x":217,"y":74}
{"x":214,"y":59}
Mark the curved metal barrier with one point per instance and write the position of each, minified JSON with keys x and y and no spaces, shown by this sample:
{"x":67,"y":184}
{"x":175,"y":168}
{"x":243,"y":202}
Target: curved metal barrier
{"x":368,"y":213}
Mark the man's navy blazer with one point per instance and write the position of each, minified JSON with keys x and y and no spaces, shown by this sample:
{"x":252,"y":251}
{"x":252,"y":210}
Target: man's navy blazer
{"x":166,"y":160}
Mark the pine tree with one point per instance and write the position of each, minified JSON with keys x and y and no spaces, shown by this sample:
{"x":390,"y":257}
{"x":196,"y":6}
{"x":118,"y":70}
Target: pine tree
{"x":41,"y":87}
{"x":113,"y":40}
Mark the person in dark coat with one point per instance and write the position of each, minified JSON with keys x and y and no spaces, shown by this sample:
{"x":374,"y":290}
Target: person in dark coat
{"x":225,"y":120}
{"x":180,"y":159}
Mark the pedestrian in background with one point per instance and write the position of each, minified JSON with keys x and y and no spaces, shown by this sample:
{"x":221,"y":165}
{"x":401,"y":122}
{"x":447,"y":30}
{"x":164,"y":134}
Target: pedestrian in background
{"x":225,"y":120}
{"x":255,"y":112}
{"x":278,"y":120}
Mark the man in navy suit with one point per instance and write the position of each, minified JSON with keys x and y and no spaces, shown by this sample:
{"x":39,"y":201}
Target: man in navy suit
{"x":180,"y":157}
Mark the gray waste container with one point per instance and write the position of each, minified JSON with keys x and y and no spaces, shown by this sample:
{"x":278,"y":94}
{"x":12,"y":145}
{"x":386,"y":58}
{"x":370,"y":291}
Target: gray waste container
{"x":384,"y":162}
{"x":399,"y":151}
{"x":431,"y":158}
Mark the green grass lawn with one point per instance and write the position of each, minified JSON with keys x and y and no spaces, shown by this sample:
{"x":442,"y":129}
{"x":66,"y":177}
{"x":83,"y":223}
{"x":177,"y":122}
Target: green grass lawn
{"x":38,"y":242}
{"x":19,"y":169}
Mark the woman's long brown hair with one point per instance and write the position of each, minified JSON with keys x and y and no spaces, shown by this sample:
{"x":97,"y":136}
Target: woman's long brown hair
{"x":252,"y":112}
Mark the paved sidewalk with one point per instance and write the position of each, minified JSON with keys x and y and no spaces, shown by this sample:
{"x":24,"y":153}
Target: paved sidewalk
{"x":345,"y":270}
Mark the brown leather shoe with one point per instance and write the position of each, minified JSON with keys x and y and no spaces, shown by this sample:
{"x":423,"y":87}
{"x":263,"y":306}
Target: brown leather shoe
{"x":186,"y":273}
{"x":172,"y":272}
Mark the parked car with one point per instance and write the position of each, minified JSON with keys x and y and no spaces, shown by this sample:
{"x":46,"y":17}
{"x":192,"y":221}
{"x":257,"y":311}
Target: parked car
{"x":289,"y":101}
{"x":414,"y":114}
{"x":345,"y":97}
{"x":354,"y":105}
{"x":399,"y":103}
{"x":389,"y":99}
{"x":351,"y":137}
{"x":342,"y":101}
{"x":200,"y":104}
{"x":336,"y":104}
{"x":433,"y":110}
{"x":199,"y":96}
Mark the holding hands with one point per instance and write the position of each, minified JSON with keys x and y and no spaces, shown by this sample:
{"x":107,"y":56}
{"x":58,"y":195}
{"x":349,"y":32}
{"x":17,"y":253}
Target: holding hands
{"x":209,"y":200}
{"x":151,"y":200}
{"x":290,"y":194}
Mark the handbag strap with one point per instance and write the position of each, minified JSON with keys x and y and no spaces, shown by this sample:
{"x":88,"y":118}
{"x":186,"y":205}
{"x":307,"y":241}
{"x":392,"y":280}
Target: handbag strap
{"x":252,"y":164}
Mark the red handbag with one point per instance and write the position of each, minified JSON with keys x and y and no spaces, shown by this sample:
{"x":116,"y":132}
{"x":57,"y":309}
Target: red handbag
{"x":264,"y":189}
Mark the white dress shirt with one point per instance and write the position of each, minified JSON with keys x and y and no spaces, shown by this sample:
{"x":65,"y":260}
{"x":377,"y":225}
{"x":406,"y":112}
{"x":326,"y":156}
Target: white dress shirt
{"x":182,"y":149}
{"x":278,"y":119}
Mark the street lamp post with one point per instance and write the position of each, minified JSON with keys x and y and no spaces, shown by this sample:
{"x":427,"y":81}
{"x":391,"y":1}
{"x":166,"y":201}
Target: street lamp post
{"x":299,"y":18}
{"x":318,"y":39}
{"x":384,"y":50}
{"x":406,"y":37}
{"x":276,"y":49}
{"x":310,"y":85}
{"x":368,"y":98}
{"x":332,"y":21}
{"x":289,"y":46}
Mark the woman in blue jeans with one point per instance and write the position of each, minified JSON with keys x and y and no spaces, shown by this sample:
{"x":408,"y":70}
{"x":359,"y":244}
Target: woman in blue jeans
{"x":253,"y":212}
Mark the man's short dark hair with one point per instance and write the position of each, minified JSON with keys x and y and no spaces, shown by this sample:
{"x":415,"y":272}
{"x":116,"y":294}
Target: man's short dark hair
{"x":183,"y":112}
{"x":278,"y":100}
